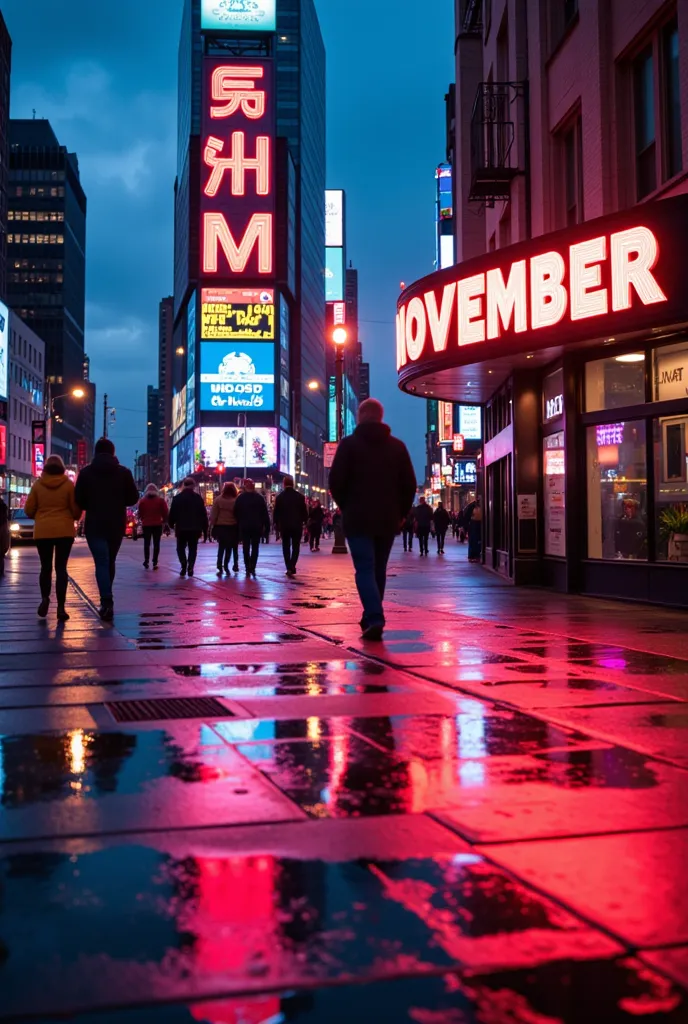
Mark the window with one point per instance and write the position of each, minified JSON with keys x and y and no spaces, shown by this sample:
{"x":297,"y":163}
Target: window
{"x":571,"y":174}
{"x":671,"y":482}
{"x":554,"y":467}
{"x":671,"y":99}
{"x":617,"y":491}
{"x":644,"y":116}
{"x":657,"y":110}
{"x":562,"y":14}
{"x":670,"y":372}
{"x":615,"y":382}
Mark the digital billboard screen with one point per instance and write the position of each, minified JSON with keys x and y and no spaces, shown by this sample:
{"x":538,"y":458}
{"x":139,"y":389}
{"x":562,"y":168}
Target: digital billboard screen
{"x":239,"y":15}
{"x":334,"y":217}
{"x":237,"y":376}
{"x":229,"y":314}
{"x":232,"y":445}
{"x":470,"y":422}
{"x":4,"y":352}
{"x":334,"y":275}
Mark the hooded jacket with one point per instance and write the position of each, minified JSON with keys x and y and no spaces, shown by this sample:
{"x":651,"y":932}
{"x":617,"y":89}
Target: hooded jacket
{"x":105,"y":490}
{"x":52,"y":507}
{"x":153,"y":510}
{"x":373,"y":482}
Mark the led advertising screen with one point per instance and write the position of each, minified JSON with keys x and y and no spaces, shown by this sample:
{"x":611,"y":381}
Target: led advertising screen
{"x":229,"y":314}
{"x":191,"y":364}
{"x":232,"y":445}
{"x":237,"y":376}
{"x":4,"y":352}
{"x":237,"y":207}
{"x":179,"y":411}
{"x":470,"y":422}
{"x":239,"y":15}
{"x":334,"y":217}
{"x":334,"y":275}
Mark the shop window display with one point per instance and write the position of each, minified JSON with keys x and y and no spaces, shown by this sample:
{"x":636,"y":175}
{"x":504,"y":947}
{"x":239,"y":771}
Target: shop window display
{"x":671,"y":486}
{"x":615,"y":383}
{"x":617,"y":491}
{"x":670,"y":372}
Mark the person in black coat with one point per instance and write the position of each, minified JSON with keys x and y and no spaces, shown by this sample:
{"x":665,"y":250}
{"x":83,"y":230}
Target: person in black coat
{"x":408,"y":531}
{"x":104,"y":490}
{"x":189,"y":519}
{"x":441,"y":520}
{"x":289,"y":515}
{"x":253,"y":518}
{"x":422,"y":514}
{"x":373,"y":483}
{"x":316,"y":515}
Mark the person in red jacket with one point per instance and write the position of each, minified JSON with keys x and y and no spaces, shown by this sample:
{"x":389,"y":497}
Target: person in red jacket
{"x":153,"y":514}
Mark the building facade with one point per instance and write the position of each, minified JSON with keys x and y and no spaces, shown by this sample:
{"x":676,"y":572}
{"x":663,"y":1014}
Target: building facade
{"x":565,"y":315}
{"x":26,"y":404}
{"x":165,"y":368}
{"x":5,"y":71}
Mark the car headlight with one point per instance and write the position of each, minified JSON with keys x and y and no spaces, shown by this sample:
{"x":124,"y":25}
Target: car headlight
{"x":14,"y":528}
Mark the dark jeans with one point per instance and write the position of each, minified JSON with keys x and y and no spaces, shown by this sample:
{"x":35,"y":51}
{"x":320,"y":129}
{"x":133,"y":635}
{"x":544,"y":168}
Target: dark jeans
{"x":314,"y":535}
{"x":105,"y":551}
{"x":153,"y":533}
{"x":187,"y":539}
{"x":370,"y":556}
{"x":291,"y":546}
{"x":408,"y":539}
{"x":251,"y":543}
{"x":423,"y":534}
{"x":441,"y":534}
{"x":227,"y":538}
{"x":62,"y":547}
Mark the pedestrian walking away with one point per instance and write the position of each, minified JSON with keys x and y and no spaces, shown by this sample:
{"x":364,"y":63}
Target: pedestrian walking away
{"x":153,"y":514}
{"x":52,"y":506}
{"x":188,"y":518}
{"x":225,"y":529}
{"x":441,"y":520}
{"x":316,"y":515}
{"x":4,"y":535}
{"x":408,"y":530}
{"x":422,"y":514}
{"x":473,"y":518}
{"x":291,"y":512}
{"x":105,"y":490}
{"x":253,"y":518}
{"x":373,"y":483}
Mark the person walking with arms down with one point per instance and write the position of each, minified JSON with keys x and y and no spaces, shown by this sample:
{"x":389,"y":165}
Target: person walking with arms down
{"x":53,"y":508}
{"x":291,"y":512}
{"x":373,"y":483}
{"x":188,"y":518}
{"x":225,"y":529}
{"x":316,"y":515}
{"x":253,"y":519}
{"x":422,"y":513}
{"x":104,"y":490}
{"x":441,"y":520}
{"x":153,"y":514}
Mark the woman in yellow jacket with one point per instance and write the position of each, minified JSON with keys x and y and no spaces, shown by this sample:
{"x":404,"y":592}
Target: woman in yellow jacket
{"x":52,"y":506}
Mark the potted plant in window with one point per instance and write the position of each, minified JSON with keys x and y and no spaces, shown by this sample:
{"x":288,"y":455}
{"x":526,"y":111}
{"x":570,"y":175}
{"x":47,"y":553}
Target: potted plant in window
{"x":674,"y":525}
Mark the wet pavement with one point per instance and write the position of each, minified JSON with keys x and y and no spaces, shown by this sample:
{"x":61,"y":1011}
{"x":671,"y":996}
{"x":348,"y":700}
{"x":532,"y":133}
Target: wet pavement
{"x":226,"y":807}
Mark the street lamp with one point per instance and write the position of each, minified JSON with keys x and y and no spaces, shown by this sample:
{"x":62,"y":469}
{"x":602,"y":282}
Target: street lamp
{"x":313,"y":385}
{"x":50,"y":411}
{"x":339,"y":337}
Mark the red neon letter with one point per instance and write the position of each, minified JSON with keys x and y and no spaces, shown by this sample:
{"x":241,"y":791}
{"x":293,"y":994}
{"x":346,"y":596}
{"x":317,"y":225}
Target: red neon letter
{"x":469,"y":294}
{"x":641,"y":244}
{"x":506,"y":301}
{"x":439,"y":321}
{"x":238,"y":163}
{"x":587,"y":298}
{"x":548,"y":296}
{"x":236,"y":88}
{"x":216,"y":233}
{"x":401,"y":338}
{"x":416,"y":328}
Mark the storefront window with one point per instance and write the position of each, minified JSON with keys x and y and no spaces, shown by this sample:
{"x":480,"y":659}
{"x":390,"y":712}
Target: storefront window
{"x":615,"y":382}
{"x":671,"y":486}
{"x":555,"y":494}
{"x":670,"y":372}
{"x":617,"y":491}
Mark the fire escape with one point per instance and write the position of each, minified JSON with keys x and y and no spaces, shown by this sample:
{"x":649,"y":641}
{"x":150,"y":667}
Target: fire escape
{"x":494,"y":122}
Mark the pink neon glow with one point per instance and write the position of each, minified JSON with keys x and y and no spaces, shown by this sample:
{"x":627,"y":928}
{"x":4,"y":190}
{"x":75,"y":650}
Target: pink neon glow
{"x":416,"y":327}
{"x":547,"y":294}
{"x":440,"y":320}
{"x":587,"y":297}
{"x":506,"y":301}
{"x":610,"y":433}
{"x":235,"y":88}
{"x":641,"y":244}
{"x":471,"y":325}
{"x":217,"y":234}
{"x":238,"y":164}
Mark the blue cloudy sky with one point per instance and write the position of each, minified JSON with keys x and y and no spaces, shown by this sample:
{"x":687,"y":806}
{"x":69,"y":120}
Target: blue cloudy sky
{"x":105,"y":75}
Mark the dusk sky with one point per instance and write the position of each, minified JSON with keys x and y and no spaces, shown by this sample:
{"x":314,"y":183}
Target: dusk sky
{"x":105,"y":76}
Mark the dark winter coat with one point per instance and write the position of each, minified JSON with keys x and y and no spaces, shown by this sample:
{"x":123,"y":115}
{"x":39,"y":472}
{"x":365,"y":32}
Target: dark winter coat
{"x":291,"y":511}
{"x":187,"y":513}
{"x":153,"y":510}
{"x":441,"y":519}
{"x":373,"y":482}
{"x":423,"y":516}
{"x":252,"y":513}
{"x":105,"y":490}
{"x":316,"y":515}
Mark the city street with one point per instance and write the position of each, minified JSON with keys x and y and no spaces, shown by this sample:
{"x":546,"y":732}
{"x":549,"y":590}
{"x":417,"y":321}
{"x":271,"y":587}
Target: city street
{"x":225,"y":807}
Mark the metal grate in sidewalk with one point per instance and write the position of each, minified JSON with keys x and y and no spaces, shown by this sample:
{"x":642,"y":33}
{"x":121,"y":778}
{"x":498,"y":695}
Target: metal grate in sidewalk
{"x":167,"y":708}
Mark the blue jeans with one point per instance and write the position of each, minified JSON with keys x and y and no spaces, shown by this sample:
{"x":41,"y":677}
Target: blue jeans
{"x":370,"y":556}
{"x":104,"y":551}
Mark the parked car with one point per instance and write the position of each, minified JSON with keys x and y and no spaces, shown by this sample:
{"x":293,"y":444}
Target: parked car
{"x":21,"y":527}
{"x":133,"y":529}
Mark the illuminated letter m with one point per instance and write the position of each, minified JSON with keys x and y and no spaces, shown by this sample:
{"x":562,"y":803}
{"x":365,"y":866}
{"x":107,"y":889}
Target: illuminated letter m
{"x":216,"y":234}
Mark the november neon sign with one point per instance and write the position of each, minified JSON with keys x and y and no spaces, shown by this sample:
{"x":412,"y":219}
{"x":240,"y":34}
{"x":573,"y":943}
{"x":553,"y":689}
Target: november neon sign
{"x":537,"y":292}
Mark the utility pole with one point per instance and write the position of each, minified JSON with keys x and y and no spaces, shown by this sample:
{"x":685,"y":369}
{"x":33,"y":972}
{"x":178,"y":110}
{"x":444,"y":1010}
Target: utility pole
{"x":105,"y":415}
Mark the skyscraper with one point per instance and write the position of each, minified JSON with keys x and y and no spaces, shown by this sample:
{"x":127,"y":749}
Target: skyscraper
{"x":165,"y":362}
{"x":46,"y":244}
{"x":5,"y":68}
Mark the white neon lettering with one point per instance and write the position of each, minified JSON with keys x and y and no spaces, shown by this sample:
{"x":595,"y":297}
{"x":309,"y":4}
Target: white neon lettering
{"x":634,"y":254}
{"x":439,"y":321}
{"x":548,"y":296}
{"x":507,"y":301}
{"x":401,"y":338}
{"x":216,"y":234}
{"x":235,"y":88}
{"x":469,"y":298}
{"x":416,"y":328}
{"x":238,"y":164}
{"x":587,"y":297}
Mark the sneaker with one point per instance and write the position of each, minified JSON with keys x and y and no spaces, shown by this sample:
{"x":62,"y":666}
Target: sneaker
{"x":189,"y":571}
{"x":182,"y":573}
{"x":107,"y":611}
{"x":43,"y":608}
{"x":62,"y":614}
{"x":373,"y":633}
{"x":155,"y":565}
{"x":219,"y":570}
{"x":145,"y":565}
{"x":235,"y":568}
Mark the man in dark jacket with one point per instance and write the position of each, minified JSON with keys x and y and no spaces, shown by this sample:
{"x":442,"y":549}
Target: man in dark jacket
{"x":253,"y":518}
{"x":104,"y":490}
{"x":422,"y":513}
{"x":407,"y":531}
{"x":316,"y":514}
{"x":373,"y":483}
{"x":189,"y":519}
{"x":441,"y":520}
{"x":289,"y":515}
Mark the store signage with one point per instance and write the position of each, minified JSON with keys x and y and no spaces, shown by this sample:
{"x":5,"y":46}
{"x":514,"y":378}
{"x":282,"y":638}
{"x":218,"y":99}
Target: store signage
{"x":239,"y":15}
{"x":237,"y":313}
{"x":3,"y":444}
{"x":459,"y":443}
{"x":329,"y":452}
{"x":446,"y":422}
{"x":237,"y":172}
{"x":671,"y":373}
{"x":81,"y":454}
{"x":38,"y":440}
{"x":606,"y":277}
{"x":470,"y":422}
{"x":338,"y":313}
{"x":465,"y":472}
{"x":554,"y":407}
{"x":610,"y":433}
{"x":237,"y":376}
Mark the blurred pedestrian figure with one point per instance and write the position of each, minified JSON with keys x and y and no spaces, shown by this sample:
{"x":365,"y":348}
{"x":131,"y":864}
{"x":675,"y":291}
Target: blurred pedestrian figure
{"x":291,"y":512}
{"x":441,"y":521}
{"x":153,"y":514}
{"x":407,"y":531}
{"x":253,"y":517}
{"x":188,"y":518}
{"x":373,"y":483}
{"x":52,"y":506}
{"x":105,"y":490}
{"x":4,"y":535}
{"x":422,"y":514}
{"x":316,"y":515}
{"x":225,"y":529}
{"x":473,"y":518}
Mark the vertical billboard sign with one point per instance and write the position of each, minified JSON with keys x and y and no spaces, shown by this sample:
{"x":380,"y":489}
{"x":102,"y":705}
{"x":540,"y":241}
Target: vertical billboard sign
{"x":237,"y":169}
{"x":191,"y":363}
{"x":4,"y":352}
{"x":334,"y":218}
{"x":37,"y":446}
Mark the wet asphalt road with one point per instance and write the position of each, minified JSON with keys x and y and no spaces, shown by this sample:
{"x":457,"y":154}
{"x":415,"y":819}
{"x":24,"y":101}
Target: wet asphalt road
{"x":227,"y":808}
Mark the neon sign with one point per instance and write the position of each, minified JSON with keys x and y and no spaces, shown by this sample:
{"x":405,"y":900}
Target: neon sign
{"x":237,"y":170}
{"x":609,"y":434}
